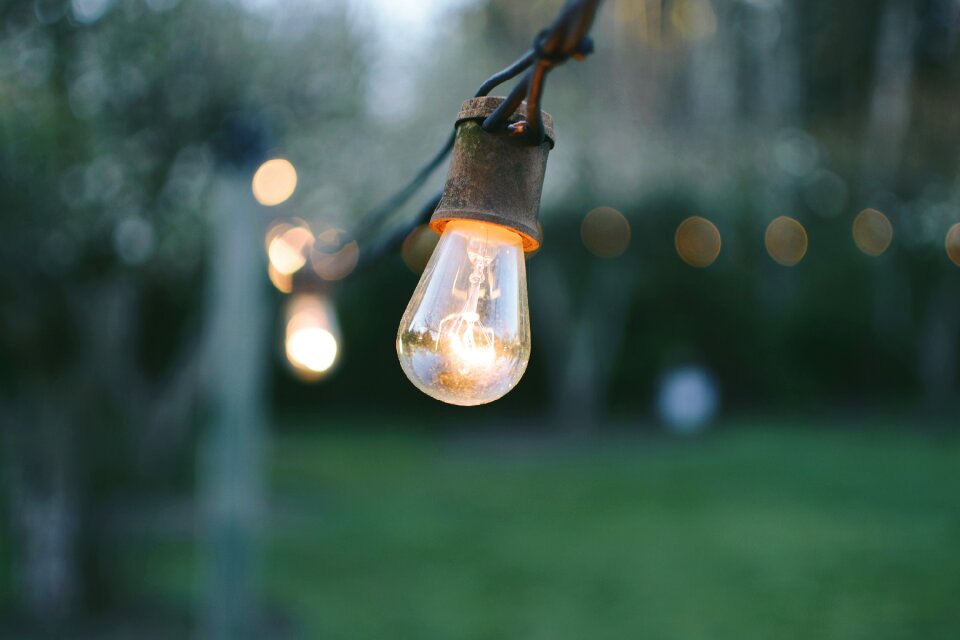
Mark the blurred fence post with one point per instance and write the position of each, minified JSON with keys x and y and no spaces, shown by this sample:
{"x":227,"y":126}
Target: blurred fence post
{"x":585,"y":334}
{"x":232,"y":456}
{"x":40,"y":473}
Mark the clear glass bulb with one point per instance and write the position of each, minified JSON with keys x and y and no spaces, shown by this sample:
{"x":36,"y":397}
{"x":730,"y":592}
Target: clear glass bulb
{"x":465,"y":336}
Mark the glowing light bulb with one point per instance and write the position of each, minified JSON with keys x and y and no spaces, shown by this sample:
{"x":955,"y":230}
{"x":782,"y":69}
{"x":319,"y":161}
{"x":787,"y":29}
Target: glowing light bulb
{"x":465,"y":336}
{"x":312,"y":340}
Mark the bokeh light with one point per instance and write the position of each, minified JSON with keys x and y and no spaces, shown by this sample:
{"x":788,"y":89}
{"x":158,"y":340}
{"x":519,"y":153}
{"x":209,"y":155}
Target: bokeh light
{"x":332,"y":260}
{"x":953,"y":244}
{"x":337,"y":265}
{"x":288,"y":251}
{"x":605,"y":232}
{"x":688,"y":399}
{"x":872,"y":232}
{"x":282,"y":281}
{"x":698,"y":242}
{"x":312,"y":336}
{"x":276,"y":230}
{"x":274,"y":182}
{"x":134,"y":240}
{"x":786,"y":241}
{"x":418,"y":246}
{"x":312,"y":348}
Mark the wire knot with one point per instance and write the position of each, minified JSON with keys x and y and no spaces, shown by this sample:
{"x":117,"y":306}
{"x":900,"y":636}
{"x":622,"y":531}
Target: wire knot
{"x":583,"y":48}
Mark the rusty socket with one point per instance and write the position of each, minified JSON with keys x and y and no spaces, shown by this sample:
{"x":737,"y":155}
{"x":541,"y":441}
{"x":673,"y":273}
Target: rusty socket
{"x":494,"y":176}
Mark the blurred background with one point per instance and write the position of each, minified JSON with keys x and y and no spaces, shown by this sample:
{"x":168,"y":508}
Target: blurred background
{"x":740,"y":416}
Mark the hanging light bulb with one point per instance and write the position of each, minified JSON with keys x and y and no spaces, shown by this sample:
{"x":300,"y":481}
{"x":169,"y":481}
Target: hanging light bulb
{"x":465,"y":336}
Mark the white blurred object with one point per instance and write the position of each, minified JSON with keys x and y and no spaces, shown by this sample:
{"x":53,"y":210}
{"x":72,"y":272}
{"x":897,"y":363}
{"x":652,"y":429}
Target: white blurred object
{"x":312,"y":336}
{"x":134,"y":240}
{"x":688,"y":399}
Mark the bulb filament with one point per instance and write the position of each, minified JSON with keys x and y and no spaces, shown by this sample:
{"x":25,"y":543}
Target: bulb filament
{"x":468,"y":339}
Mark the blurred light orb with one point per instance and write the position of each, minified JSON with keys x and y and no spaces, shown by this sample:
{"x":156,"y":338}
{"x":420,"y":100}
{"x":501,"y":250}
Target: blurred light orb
{"x":312,"y":348}
{"x":282,"y":281}
{"x":274,"y":182}
{"x":687,"y":399}
{"x":698,"y":242}
{"x":329,"y":236}
{"x":786,"y":241}
{"x":418,"y":246}
{"x":312,"y":336}
{"x":329,"y":259}
{"x":337,"y":265}
{"x":953,"y":244}
{"x":605,"y":232}
{"x":89,"y":11}
{"x":288,"y":251}
{"x":276,"y":230}
{"x":872,"y":232}
{"x":134,"y":240}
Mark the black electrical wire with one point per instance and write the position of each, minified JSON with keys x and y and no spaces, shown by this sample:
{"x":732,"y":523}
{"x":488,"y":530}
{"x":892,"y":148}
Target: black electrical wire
{"x":376,"y":218}
{"x":566,"y":38}
{"x":507,"y":74}
{"x":369,"y":254}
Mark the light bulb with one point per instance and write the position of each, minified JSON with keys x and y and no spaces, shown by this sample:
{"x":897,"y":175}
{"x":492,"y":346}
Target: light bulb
{"x":465,"y":336}
{"x":312,"y":336}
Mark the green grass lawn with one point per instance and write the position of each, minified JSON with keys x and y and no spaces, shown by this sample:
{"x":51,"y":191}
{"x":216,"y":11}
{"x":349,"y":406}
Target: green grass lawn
{"x":744,"y":533}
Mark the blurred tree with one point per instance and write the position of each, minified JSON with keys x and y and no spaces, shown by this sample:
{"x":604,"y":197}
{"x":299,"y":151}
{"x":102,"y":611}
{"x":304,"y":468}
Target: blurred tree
{"x":110,"y":116}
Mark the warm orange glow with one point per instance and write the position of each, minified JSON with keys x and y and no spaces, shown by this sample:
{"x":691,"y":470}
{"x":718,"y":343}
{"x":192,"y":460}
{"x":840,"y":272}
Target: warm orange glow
{"x":953,"y":244}
{"x":529,"y":254}
{"x":872,"y":232}
{"x":311,"y":336}
{"x":337,"y":265}
{"x":605,"y":232}
{"x":329,"y":259}
{"x":282,"y":281}
{"x":786,"y":241}
{"x":312,"y":348}
{"x":288,"y":251}
{"x":465,"y":336}
{"x":698,"y":242}
{"x":274,"y":182}
{"x":276,"y":230}
{"x":418,"y":246}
